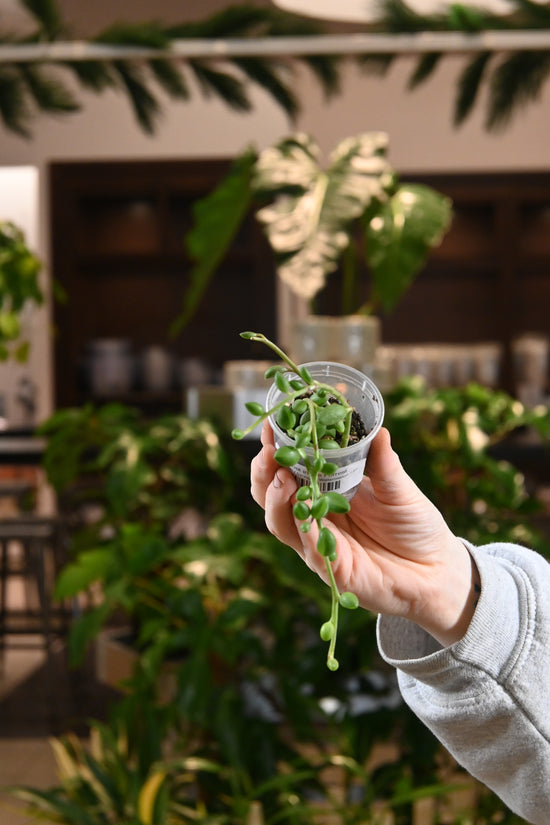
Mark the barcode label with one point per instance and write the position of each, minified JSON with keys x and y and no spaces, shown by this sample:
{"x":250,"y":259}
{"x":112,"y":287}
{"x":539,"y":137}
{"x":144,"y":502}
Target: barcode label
{"x":324,"y":486}
{"x":341,"y":481}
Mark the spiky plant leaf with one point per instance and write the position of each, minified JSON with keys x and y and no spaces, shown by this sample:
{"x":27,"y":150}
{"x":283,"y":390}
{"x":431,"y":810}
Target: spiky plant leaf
{"x":219,"y":215}
{"x":407,"y":225}
{"x":469,"y":84}
{"x":93,"y":75}
{"x":517,"y":80}
{"x":14,"y":109}
{"x":169,"y":78}
{"x":313,"y":209}
{"x":47,"y":93}
{"x":399,"y":17}
{"x":233,"y":21}
{"x":264,"y":74}
{"x":375,"y":64}
{"x":46,"y":13}
{"x":222,"y":84}
{"x":424,"y":68}
{"x":135,"y":34}
{"x":145,"y":105}
{"x":534,"y":12}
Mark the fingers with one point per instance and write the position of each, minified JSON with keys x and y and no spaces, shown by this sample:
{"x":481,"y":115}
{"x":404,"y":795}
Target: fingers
{"x":263,"y":467}
{"x":278,"y":508}
{"x":389,"y":480}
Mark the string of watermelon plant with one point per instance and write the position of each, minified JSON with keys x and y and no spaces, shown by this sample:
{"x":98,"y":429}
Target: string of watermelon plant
{"x":317,"y":416}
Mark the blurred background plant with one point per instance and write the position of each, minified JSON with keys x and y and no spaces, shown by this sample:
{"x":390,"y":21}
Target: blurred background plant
{"x":19,"y":290}
{"x":229,"y":714}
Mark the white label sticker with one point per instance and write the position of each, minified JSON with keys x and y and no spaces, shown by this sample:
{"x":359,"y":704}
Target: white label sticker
{"x":341,"y":481}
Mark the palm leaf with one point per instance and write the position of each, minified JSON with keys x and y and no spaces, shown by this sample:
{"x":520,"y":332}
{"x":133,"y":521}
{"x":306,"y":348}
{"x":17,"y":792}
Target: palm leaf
{"x":263,"y":74}
{"x":308,"y":222}
{"x":424,"y":68}
{"x":219,"y":215}
{"x":46,"y":13}
{"x":135,"y":34}
{"x":375,"y":64}
{"x":47,"y":93}
{"x":169,"y":78}
{"x":14,"y":110}
{"x":221,"y":84}
{"x":516,"y":81}
{"x":411,"y":222}
{"x":144,"y":104}
{"x":93,"y":75}
{"x":468,"y":86}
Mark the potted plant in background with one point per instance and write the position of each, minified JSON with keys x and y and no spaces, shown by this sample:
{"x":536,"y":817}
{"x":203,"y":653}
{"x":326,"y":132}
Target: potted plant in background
{"x":257,"y":728}
{"x":353,"y":219}
{"x":19,"y":289}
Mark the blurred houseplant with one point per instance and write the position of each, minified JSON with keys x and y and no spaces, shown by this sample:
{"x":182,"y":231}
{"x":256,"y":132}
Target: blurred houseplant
{"x":353,"y":218}
{"x":256,"y":728}
{"x":19,"y":290}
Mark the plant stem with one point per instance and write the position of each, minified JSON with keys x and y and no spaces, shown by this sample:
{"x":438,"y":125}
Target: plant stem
{"x":282,"y":355}
{"x":334,"y":609}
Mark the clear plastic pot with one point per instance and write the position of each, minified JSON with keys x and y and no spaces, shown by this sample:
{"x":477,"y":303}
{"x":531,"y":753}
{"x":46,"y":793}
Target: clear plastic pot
{"x":365,"y":397}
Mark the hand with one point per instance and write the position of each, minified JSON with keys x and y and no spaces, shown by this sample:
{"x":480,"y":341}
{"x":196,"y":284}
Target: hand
{"x":394,"y":549}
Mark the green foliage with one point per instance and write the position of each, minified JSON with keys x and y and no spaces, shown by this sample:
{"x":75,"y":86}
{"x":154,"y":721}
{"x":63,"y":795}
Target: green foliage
{"x":29,"y":89}
{"x":255,"y":727}
{"x":315,"y":218}
{"x":138,"y":470}
{"x":447,"y":440}
{"x":19,"y":289}
{"x":511,"y":80}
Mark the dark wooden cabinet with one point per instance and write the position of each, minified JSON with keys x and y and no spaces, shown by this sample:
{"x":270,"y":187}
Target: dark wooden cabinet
{"x":490,"y":278}
{"x":117,"y":249}
{"x":117,"y":231}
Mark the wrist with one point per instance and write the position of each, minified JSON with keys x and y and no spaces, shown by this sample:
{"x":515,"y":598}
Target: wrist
{"x":449,"y":609}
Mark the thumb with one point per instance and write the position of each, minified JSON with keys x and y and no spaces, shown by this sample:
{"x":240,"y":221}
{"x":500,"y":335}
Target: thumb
{"x":389,"y":480}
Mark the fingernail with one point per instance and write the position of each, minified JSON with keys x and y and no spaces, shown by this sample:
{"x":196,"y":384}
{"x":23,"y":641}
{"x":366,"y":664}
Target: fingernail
{"x":277,"y":480}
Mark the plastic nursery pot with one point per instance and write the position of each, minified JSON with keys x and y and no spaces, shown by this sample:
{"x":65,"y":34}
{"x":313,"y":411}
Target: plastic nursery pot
{"x":365,"y":397}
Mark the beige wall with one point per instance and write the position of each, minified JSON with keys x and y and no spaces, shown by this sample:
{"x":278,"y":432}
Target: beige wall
{"x":419,"y":123}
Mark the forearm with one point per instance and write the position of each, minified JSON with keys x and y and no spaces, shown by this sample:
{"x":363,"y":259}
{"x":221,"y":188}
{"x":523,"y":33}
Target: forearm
{"x":485,"y":696}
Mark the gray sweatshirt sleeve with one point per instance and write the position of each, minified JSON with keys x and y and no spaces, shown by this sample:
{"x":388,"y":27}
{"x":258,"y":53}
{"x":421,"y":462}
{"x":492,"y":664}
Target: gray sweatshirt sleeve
{"x":487,"y":697}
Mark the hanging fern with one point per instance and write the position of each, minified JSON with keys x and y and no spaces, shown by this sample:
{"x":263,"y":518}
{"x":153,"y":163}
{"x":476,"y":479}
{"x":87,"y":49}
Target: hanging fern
{"x":28,"y":89}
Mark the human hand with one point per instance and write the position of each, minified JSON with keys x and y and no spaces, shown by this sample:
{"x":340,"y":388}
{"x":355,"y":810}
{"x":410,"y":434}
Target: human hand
{"x":394,"y":549}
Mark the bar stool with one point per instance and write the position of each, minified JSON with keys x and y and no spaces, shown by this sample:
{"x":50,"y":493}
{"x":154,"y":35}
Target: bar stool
{"x":31,"y":549}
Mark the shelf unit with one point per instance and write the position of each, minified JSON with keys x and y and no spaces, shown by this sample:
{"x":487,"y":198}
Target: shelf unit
{"x":117,"y":246}
{"x":117,"y":249}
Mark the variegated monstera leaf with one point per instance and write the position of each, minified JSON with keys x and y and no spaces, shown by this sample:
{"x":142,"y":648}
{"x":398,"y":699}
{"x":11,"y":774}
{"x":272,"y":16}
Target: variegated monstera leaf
{"x":308,"y":223}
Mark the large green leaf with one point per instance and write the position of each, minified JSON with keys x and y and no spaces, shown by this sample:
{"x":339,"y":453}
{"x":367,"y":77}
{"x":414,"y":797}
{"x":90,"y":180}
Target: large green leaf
{"x":217,"y":219}
{"x":308,"y":223}
{"x":399,"y":237}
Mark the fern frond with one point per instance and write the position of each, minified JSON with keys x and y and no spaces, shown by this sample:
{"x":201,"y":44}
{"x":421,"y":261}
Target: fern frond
{"x":515,"y":82}
{"x":468,"y":86}
{"x":134,"y":34}
{"x":14,"y":110}
{"x":424,"y":68}
{"x":223,"y":85}
{"x":375,"y":64}
{"x":46,"y":14}
{"x":93,"y":75}
{"x":325,"y":70}
{"x":48,"y":94}
{"x":234,"y":21}
{"x":264,"y":74}
{"x":144,"y":104}
{"x":533,"y":14}
{"x":169,"y":78}
{"x":399,"y":17}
